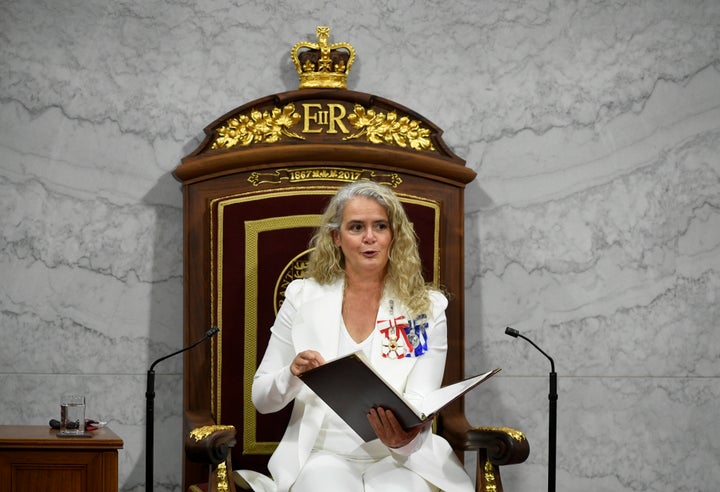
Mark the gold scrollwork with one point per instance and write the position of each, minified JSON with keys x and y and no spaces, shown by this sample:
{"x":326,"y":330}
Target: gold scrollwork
{"x":388,"y":128}
{"x":265,"y":126}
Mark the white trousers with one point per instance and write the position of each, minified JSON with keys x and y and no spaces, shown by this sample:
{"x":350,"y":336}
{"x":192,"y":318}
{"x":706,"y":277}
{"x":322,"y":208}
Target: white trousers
{"x":324,"y":472}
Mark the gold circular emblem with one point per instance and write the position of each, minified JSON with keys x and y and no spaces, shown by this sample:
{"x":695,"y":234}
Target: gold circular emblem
{"x":295,"y":269}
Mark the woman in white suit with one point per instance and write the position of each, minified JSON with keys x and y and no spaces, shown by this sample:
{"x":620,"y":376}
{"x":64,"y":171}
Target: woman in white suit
{"x":364,"y":291}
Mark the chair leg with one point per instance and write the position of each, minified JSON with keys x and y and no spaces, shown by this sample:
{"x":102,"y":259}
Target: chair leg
{"x":487,"y":477}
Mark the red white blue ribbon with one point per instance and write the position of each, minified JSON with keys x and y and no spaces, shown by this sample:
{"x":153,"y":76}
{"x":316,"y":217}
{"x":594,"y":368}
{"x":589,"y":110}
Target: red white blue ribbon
{"x":416,"y":334}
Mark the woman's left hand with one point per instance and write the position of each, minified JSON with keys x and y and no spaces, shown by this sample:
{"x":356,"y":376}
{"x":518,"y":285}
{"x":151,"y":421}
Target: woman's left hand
{"x":389,"y":430}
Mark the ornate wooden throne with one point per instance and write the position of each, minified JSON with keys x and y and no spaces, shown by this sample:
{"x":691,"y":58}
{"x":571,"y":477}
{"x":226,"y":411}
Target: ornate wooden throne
{"x":253,"y":193}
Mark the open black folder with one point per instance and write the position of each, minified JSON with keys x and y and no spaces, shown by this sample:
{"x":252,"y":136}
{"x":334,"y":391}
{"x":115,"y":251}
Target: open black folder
{"x":351,"y":388}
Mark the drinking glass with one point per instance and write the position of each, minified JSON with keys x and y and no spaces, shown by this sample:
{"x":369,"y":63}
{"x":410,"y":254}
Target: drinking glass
{"x":72,"y":414}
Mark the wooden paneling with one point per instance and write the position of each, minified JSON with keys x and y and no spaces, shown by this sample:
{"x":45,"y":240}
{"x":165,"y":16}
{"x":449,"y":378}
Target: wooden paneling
{"x":35,"y":458}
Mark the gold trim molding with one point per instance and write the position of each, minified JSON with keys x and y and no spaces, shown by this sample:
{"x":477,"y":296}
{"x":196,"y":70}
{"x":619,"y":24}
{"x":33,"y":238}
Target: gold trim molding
{"x":328,"y":173}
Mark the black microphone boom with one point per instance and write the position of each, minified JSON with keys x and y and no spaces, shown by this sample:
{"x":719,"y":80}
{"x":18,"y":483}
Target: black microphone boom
{"x":514,"y":333}
{"x":552,"y":397}
{"x":150,"y":408}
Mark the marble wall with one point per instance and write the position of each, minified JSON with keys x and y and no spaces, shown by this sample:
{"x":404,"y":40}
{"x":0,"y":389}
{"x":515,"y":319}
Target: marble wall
{"x":593,"y":226}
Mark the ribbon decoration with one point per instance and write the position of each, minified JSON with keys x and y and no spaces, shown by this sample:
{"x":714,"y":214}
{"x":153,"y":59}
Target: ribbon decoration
{"x":403,"y":338}
{"x":416,"y":334}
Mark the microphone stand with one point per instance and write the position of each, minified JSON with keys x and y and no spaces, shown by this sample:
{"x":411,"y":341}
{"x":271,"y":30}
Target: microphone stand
{"x":552,"y":397}
{"x":150,"y":409}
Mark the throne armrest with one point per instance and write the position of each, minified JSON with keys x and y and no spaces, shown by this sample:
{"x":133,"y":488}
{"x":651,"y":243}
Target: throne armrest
{"x":207,"y":442}
{"x":503,"y":445}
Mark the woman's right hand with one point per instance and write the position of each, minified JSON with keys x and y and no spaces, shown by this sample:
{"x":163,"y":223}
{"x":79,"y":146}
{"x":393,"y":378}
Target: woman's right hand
{"x":306,"y":360}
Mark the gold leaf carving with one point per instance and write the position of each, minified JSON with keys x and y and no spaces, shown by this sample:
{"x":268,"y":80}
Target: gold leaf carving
{"x":490,"y":477}
{"x":258,"y":127}
{"x":516,"y":435}
{"x":222,"y":478}
{"x":200,"y":433}
{"x":388,"y":128}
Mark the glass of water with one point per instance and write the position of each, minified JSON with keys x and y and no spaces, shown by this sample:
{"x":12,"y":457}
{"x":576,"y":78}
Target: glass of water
{"x":72,"y":414}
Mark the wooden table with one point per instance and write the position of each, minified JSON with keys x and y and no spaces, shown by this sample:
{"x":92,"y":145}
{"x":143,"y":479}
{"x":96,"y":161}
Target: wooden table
{"x":33,"y":457}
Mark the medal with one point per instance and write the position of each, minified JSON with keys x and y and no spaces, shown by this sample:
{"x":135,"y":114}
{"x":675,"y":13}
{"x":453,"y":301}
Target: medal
{"x":395,"y":343}
{"x":403,"y":338}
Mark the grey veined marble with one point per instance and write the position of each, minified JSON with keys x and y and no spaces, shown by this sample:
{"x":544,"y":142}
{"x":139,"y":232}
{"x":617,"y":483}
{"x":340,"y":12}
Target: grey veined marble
{"x":593,"y":226}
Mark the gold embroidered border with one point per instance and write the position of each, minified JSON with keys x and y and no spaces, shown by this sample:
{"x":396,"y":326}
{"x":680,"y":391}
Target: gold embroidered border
{"x":252,"y":232}
{"x":253,"y":228}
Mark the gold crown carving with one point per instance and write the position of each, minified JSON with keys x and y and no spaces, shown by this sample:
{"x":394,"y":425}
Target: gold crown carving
{"x":323,"y":65}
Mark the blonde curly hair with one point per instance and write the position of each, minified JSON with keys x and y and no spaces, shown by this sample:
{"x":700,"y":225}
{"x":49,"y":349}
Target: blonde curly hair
{"x":404,"y":278}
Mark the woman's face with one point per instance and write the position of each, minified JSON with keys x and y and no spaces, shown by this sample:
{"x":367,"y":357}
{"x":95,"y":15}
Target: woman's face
{"x":365,"y":236}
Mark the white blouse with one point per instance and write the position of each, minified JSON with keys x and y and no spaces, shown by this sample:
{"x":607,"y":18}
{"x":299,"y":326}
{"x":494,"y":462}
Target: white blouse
{"x":335,"y":435}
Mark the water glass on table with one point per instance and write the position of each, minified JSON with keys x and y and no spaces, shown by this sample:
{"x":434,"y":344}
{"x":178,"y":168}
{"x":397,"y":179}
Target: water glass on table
{"x":72,"y":414}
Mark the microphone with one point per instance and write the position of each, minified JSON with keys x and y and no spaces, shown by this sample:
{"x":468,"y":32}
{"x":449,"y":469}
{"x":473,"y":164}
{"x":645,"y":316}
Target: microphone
{"x":150,"y":408}
{"x":516,"y":334}
{"x":552,"y":398}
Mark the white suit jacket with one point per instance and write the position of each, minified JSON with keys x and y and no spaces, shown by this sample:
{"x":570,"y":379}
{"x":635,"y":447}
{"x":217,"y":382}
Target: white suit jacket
{"x":310,"y":318}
